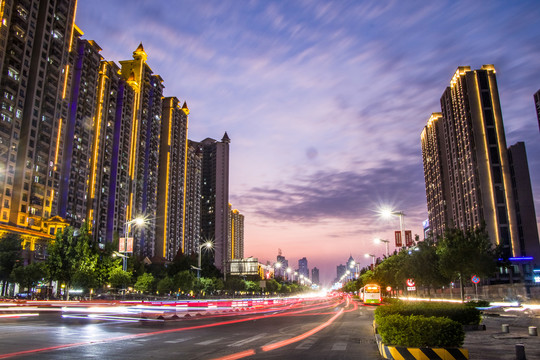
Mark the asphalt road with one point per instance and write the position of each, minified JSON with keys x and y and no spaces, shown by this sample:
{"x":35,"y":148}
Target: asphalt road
{"x":312,"y":329}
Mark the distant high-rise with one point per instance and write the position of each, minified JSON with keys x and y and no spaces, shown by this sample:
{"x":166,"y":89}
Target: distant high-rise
{"x":170,"y":214}
{"x":281,"y":269}
{"x":468,"y":154}
{"x":236,"y":225}
{"x":215,"y":197}
{"x":340,"y":271}
{"x":315,"y":276}
{"x":303,"y":267}
{"x":537,"y":105}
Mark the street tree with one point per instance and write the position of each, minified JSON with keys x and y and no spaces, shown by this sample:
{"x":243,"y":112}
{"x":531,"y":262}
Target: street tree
{"x":464,"y":253}
{"x":10,"y":257}
{"x":144,"y":283}
{"x":166,"y":286}
{"x":29,"y":276}
{"x":119,"y":278}
{"x":70,"y":257}
{"x":424,"y":265}
{"x":184,"y":280}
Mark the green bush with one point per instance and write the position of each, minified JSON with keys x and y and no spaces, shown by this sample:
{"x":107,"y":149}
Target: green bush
{"x":465,"y":315}
{"x":420,"y":331}
{"x":478,"y":303}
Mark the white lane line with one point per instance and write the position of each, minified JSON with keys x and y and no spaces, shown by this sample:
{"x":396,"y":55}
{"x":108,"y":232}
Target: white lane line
{"x":305,"y":345}
{"x":208,"y":342}
{"x":248,"y":340}
{"x":177,"y":341}
{"x":340,"y":346}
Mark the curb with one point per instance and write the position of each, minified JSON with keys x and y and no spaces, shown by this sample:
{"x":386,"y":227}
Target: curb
{"x":405,"y":353}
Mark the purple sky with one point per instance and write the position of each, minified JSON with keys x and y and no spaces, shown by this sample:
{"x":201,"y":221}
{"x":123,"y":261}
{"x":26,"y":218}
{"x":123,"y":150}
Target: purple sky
{"x":324,"y":102}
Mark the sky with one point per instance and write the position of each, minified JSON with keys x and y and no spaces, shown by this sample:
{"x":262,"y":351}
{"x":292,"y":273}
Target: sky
{"x":324,"y":102}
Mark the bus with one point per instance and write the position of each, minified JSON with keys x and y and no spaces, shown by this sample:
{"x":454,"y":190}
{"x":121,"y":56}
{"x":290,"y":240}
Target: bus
{"x":371,"y":294}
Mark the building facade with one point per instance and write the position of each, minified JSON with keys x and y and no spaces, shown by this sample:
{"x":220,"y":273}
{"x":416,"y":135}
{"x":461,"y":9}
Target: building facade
{"x":315,"y":276}
{"x":215,"y":212}
{"x":192,"y":237}
{"x":303,"y":267}
{"x":470,"y":181}
{"x":236,"y":235}
{"x":170,"y":214}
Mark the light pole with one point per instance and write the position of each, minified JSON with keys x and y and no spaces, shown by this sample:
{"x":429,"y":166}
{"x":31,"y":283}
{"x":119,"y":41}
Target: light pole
{"x":386,"y":242}
{"x":289,"y":270}
{"x":207,"y":245}
{"x":372,"y":258}
{"x":127,"y":228}
{"x":387,"y":213}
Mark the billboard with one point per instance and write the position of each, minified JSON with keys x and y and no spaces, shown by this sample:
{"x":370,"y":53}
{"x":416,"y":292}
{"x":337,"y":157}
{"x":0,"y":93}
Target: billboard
{"x":408,"y":238}
{"x":124,"y":246}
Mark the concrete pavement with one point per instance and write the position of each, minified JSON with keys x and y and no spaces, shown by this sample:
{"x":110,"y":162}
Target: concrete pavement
{"x":494,"y":344}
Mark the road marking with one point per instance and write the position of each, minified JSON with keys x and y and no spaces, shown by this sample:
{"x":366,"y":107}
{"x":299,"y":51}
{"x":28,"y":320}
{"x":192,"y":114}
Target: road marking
{"x":177,"y":340}
{"x":248,"y":340}
{"x":305,"y":345}
{"x":340,"y":346}
{"x":208,"y":342}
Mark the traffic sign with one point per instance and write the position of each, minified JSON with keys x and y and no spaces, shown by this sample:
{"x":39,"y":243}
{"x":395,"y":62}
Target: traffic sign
{"x":410,"y":282}
{"x":475,"y":279}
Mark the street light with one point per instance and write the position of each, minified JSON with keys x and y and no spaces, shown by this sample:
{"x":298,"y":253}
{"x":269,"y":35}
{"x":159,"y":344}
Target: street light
{"x":137,"y":221}
{"x":372,"y":258}
{"x":388,"y":213}
{"x":386,"y":242}
{"x":207,"y":245}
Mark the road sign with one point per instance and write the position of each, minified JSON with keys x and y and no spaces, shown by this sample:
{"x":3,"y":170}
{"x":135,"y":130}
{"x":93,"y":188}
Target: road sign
{"x":410,"y":282}
{"x":475,"y":279}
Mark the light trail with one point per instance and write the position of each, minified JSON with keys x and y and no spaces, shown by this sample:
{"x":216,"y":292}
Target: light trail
{"x":142,"y":335}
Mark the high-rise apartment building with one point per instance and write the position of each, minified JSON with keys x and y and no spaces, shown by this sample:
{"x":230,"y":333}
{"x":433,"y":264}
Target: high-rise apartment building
{"x":524,"y":202}
{"x":144,"y":150}
{"x":315,"y":276}
{"x":79,"y":133}
{"x":192,"y":237}
{"x":170,"y":214}
{"x":236,"y":225}
{"x":36,"y":68}
{"x":215,"y":212}
{"x":466,"y":166}
{"x":537,"y":105}
{"x":303,"y":267}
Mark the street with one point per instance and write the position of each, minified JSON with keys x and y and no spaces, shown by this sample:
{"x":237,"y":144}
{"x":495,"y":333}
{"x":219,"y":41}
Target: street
{"x":322,"y":328}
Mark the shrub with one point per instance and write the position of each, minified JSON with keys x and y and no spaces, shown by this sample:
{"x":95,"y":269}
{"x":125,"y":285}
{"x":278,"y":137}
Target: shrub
{"x":465,"y":315}
{"x":477,"y":303}
{"x":420,"y":331}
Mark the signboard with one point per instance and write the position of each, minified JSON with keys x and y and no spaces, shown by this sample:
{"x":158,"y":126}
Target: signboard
{"x":388,"y":288}
{"x":399,"y":242}
{"x":411,"y":288}
{"x":475,"y":279}
{"x":408,"y":238}
{"x":122,"y":245}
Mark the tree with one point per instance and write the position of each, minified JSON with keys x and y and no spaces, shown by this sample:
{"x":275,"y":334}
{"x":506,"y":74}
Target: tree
{"x":184,"y":281}
{"x":10,"y":256}
{"x":119,"y":278}
{"x":466,"y":253}
{"x":71,"y":257}
{"x":166,"y":285}
{"x":144,"y":283}
{"x":424,"y":265}
{"x":29,"y":276}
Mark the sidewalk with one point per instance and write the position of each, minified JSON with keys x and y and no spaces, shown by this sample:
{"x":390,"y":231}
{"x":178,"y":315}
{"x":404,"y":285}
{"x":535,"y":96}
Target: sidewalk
{"x":493,"y":344}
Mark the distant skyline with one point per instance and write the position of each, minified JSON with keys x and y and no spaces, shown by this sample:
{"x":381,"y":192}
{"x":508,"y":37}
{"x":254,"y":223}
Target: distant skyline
{"x":324,"y":102}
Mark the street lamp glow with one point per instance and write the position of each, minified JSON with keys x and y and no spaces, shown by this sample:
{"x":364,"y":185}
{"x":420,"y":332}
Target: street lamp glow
{"x":372,"y":258}
{"x":207,"y":245}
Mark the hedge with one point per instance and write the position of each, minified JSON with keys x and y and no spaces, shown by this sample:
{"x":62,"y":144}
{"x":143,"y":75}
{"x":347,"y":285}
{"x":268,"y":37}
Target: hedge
{"x":420,"y":331}
{"x":465,"y":315}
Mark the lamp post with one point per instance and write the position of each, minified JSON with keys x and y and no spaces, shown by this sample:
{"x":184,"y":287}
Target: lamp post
{"x":207,"y":245}
{"x":372,"y":258}
{"x":387,"y":213}
{"x":127,"y":228}
{"x":289,"y":270}
{"x":386,"y":242}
